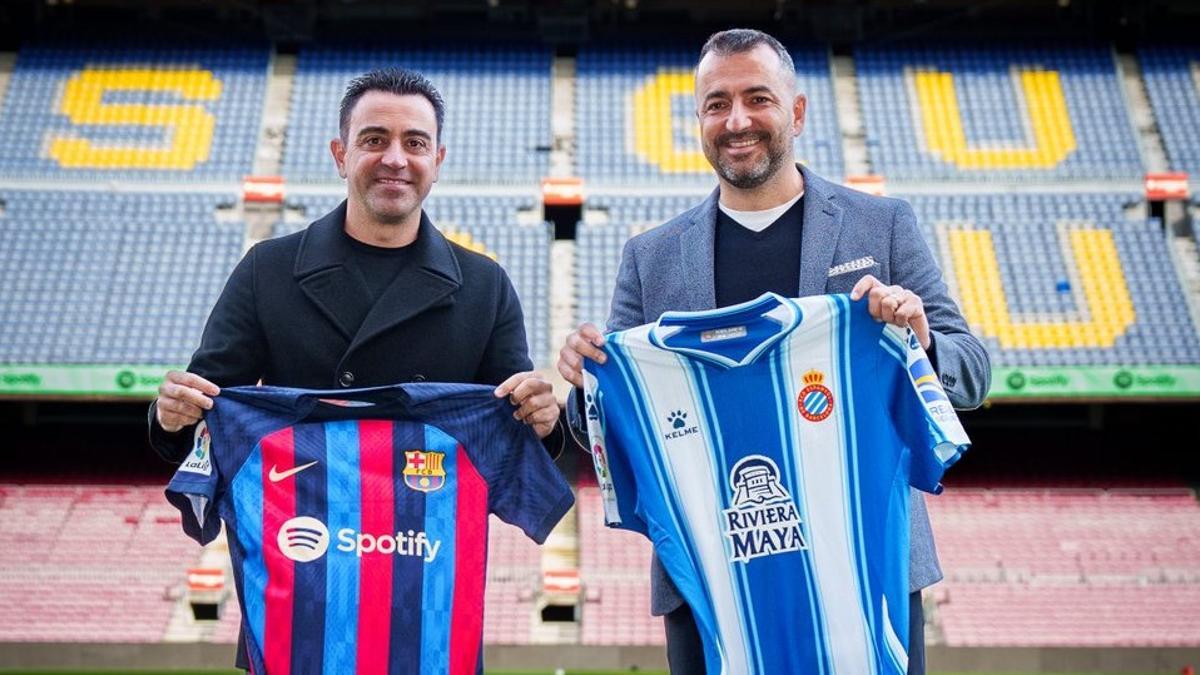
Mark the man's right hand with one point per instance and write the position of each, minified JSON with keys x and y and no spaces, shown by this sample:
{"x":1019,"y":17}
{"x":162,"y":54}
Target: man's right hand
{"x":182,"y":400}
{"x":583,"y":343}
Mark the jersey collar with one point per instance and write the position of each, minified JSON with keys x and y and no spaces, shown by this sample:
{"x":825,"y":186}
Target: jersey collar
{"x":768,"y":307}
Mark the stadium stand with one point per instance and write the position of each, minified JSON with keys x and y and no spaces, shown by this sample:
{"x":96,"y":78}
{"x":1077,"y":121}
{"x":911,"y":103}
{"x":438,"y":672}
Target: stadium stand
{"x":1025,"y":566}
{"x":105,"y":111}
{"x":487,"y":225}
{"x":87,"y":560}
{"x":84,"y":271}
{"x":514,"y":573}
{"x":1171,"y":76}
{"x":598,"y":245}
{"x":636,"y":120}
{"x":1062,"y":566}
{"x":1027,"y":269}
{"x":613,"y":567}
{"x":1061,"y":279}
{"x":1022,"y":112}
{"x":497,"y":127}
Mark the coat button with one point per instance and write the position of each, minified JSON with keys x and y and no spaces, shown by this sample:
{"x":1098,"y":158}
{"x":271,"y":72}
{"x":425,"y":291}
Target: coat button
{"x":346,"y":379}
{"x":418,"y":378}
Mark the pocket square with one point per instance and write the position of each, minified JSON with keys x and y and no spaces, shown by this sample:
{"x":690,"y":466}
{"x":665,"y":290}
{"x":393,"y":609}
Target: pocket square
{"x":852,"y":266}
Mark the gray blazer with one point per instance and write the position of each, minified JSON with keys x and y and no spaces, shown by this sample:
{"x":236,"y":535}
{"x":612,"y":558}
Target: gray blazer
{"x":671,"y":268}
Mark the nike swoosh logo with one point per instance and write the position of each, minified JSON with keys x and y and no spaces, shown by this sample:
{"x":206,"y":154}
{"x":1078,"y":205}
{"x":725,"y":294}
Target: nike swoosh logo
{"x":277,"y":476}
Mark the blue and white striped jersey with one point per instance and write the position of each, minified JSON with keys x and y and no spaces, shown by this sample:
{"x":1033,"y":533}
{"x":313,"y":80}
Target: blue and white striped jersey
{"x":767,"y":450}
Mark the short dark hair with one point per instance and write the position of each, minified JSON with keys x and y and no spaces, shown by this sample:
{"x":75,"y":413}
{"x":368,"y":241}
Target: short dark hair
{"x":742,"y":40}
{"x":397,"y":81}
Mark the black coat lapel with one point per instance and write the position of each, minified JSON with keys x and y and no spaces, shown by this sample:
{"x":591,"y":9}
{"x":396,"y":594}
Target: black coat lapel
{"x":340,"y":293}
{"x":429,"y":280}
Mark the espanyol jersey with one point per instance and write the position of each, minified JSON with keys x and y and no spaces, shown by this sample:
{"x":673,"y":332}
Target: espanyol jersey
{"x":767,"y":450}
{"x":357,"y":519}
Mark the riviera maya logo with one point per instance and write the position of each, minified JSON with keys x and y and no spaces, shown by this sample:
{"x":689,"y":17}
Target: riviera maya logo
{"x":677,"y":420}
{"x":815,"y":401}
{"x":763,"y":519}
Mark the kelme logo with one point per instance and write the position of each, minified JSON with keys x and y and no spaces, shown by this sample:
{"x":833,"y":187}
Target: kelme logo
{"x":303,"y":539}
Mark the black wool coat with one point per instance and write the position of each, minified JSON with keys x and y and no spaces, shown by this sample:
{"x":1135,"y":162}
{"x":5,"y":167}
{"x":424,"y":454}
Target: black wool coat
{"x":294,"y":313}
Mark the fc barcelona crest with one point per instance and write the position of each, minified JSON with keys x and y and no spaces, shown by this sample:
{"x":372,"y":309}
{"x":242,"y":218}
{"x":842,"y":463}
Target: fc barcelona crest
{"x":815,"y":400}
{"x":423,"y":470}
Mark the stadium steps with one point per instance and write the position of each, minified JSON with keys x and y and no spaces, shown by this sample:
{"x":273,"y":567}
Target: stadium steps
{"x":183,"y":627}
{"x":1186,"y":255}
{"x":563,"y":294}
{"x":268,"y":156}
{"x":8,"y":60}
{"x":613,"y":568}
{"x":1137,"y":100}
{"x":560,"y":560}
{"x":562,"y":122}
{"x":849,"y":113}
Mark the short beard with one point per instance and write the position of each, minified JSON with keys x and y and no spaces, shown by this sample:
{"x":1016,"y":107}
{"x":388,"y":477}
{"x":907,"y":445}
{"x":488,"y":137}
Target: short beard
{"x":755,"y":176}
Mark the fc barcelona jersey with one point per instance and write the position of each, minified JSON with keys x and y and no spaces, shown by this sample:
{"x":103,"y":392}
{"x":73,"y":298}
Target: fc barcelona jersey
{"x":357,"y":519}
{"x":767,"y":450}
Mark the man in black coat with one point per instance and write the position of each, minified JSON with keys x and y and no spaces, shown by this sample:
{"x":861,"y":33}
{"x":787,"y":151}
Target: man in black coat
{"x":370,"y":294}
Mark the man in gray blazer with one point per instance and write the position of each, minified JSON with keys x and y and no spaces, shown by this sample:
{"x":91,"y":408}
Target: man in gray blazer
{"x":773,"y":225}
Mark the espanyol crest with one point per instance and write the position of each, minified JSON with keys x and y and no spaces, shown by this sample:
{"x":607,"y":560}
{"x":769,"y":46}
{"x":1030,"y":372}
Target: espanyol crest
{"x":815,"y":401}
{"x":423,"y":470}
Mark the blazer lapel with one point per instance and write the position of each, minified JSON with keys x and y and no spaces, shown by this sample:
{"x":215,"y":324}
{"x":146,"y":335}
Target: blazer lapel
{"x":822,"y":227}
{"x":697,"y":247}
{"x":320,"y":270}
{"x":428,"y":281}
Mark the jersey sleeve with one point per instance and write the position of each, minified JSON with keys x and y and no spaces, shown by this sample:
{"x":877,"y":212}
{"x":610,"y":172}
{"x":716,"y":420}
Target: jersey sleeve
{"x":525,"y":488}
{"x":618,"y":488}
{"x":195,"y":488}
{"x":920,"y":409}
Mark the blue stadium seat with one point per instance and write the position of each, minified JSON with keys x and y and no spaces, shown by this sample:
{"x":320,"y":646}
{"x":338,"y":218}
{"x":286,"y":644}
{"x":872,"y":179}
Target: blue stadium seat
{"x":497,"y":127}
{"x":1016,"y":112}
{"x":86,"y":273}
{"x":598,"y":246}
{"x":635,"y":116}
{"x":79,"y":111}
{"x":1170,"y":74}
{"x":1040,"y":275}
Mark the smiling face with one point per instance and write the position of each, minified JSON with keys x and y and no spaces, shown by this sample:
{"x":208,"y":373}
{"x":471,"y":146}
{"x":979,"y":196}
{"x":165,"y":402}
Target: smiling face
{"x":390,"y":159}
{"x":749,"y":114}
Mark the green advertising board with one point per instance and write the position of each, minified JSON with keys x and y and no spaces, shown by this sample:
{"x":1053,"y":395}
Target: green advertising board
{"x":1007,"y":383}
{"x":106,"y":381}
{"x":1096,"y":382}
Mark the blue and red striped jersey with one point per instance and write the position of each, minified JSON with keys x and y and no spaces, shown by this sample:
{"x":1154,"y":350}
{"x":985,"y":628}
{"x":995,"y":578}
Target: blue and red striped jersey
{"x":357,"y":519}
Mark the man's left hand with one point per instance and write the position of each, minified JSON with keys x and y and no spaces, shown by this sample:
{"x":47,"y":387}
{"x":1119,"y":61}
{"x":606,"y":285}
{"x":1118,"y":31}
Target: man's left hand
{"x":534,"y":398}
{"x":895,"y":305}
